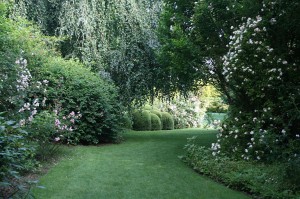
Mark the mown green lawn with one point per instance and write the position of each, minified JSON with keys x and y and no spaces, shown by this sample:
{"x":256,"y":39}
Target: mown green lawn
{"x":146,"y":165}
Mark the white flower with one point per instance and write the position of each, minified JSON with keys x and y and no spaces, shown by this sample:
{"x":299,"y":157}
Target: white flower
{"x":45,"y":81}
{"x":30,"y":118}
{"x":56,"y":139}
{"x":22,"y":122}
{"x":273,"y":21}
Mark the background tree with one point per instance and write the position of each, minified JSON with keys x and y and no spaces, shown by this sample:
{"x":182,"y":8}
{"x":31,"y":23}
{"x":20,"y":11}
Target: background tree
{"x":115,"y":38}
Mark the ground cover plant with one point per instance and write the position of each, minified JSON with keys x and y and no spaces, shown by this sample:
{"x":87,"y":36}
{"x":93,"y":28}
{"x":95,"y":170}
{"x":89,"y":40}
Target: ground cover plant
{"x":277,"y":180}
{"x":146,"y":165}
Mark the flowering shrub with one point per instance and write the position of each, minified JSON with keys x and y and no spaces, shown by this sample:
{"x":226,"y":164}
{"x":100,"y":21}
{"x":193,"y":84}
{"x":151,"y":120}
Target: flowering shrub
{"x":76,"y":92}
{"x":187,"y":112}
{"x":265,"y":125}
{"x":249,"y":50}
{"x":29,"y":98}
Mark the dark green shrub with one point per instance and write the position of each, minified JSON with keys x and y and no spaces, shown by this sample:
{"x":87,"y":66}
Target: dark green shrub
{"x":16,"y":156}
{"x":259,"y":179}
{"x":155,"y":122}
{"x":167,"y":121}
{"x":292,"y":173}
{"x":72,"y":87}
{"x":157,"y":112}
{"x":141,"y":120}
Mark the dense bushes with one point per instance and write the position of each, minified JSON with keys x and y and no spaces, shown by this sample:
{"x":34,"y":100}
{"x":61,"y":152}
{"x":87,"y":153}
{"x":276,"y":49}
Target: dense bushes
{"x":241,"y":51}
{"x":141,"y":120}
{"x":155,"y":122}
{"x":261,"y":180}
{"x":167,"y":121}
{"x":156,"y":112}
{"x":74,"y":88}
{"x":54,"y":100}
{"x":16,"y":157}
{"x":43,"y":134}
{"x":145,"y":120}
{"x":126,"y":121}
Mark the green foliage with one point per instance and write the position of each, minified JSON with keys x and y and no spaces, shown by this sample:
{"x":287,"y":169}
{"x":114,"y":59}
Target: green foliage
{"x":116,"y":38}
{"x":292,"y":173}
{"x":167,"y":121}
{"x":141,"y":120}
{"x":16,"y":156}
{"x":72,"y":87}
{"x":155,"y":122}
{"x":214,"y":120}
{"x":127,"y":121}
{"x":43,"y":133}
{"x":261,"y":180}
{"x":217,"y":107}
{"x":187,"y":111}
{"x":235,"y":46}
{"x":156,"y":112}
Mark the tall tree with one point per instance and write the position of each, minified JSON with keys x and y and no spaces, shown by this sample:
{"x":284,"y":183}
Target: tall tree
{"x":115,"y":38}
{"x":250,"y":51}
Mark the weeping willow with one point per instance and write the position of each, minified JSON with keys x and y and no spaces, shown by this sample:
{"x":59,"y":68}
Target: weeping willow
{"x":114,"y":37}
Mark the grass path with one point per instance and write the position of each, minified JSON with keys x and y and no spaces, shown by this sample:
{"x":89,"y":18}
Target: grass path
{"x":145,"y":166}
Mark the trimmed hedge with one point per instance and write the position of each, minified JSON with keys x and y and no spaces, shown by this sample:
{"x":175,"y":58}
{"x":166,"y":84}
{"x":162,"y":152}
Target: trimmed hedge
{"x":167,"y":121}
{"x":157,"y":112}
{"x":155,"y":122}
{"x":141,"y":120}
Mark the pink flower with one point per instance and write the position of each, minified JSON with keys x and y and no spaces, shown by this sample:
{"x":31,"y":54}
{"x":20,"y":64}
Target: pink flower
{"x":30,"y":118}
{"x":72,"y":114}
{"x":57,"y":122}
{"x":22,"y":122}
{"x":56,"y":139}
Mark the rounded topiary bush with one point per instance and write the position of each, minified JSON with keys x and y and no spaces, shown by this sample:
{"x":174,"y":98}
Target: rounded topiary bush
{"x":147,"y":107}
{"x":167,"y":121}
{"x":155,"y":122}
{"x":156,"y":112}
{"x":141,"y":121}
